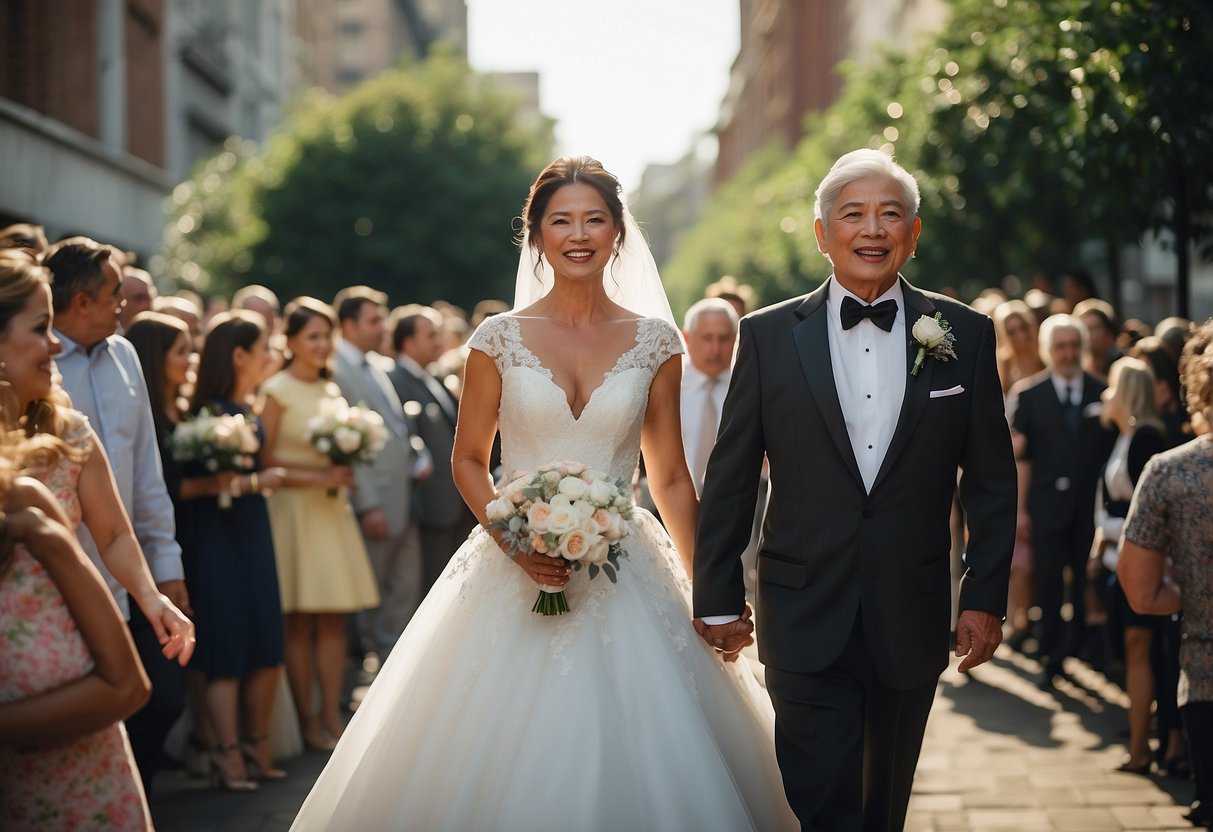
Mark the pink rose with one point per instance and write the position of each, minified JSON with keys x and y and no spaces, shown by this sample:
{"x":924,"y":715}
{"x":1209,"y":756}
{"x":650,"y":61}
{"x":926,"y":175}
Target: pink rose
{"x":602,"y":520}
{"x":538,"y":517}
{"x":577,"y":544}
{"x":538,"y":543}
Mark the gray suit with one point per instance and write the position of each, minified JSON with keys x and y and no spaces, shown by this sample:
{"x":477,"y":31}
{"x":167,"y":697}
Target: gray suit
{"x":444,"y":518}
{"x":385,"y":484}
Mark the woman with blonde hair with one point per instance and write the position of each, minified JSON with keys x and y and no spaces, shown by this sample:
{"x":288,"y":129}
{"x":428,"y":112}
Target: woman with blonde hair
{"x":1130,"y":407}
{"x":81,"y":480}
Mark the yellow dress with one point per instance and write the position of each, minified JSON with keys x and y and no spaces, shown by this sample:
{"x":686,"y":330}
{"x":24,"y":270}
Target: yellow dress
{"x":322,"y":561}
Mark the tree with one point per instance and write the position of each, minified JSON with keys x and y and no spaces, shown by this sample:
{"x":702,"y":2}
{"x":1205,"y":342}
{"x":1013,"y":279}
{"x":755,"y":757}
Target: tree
{"x":407,"y":183}
{"x":1033,"y":126}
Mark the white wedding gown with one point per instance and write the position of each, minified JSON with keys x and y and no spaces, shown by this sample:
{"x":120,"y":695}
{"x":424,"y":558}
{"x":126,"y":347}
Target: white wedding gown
{"x":614,"y":716}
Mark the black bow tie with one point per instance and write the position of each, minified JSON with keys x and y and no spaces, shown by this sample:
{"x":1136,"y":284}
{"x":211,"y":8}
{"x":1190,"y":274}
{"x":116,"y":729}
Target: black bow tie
{"x":882,"y":314}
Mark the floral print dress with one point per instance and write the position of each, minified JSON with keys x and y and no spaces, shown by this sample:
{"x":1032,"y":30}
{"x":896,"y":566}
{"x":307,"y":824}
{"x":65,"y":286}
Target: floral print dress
{"x":88,"y":783}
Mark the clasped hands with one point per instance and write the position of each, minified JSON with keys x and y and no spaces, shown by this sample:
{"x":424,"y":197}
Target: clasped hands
{"x":728,"y":639}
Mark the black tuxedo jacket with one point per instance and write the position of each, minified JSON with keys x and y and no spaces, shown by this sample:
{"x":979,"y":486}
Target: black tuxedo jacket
{"x":1065,"y":468}
{"x":829,"y":550}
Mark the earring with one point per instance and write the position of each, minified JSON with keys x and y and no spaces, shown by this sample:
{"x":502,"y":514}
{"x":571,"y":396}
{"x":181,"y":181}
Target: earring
{"x":3,"y":369}
{"x":913,"y":254}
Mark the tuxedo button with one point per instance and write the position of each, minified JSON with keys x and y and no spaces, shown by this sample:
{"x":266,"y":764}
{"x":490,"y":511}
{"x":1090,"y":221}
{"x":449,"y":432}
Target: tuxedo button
{"x":1062,"y":484}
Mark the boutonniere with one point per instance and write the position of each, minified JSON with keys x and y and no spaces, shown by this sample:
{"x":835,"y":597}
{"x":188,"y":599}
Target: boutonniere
{"x":935,"y":338}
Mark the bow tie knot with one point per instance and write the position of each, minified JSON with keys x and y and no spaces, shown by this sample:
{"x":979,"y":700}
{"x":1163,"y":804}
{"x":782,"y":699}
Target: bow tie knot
{"x":882,"y":314}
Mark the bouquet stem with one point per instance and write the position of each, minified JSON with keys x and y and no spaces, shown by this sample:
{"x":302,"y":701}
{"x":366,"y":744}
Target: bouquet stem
{"x":551,"y":603}
{"x":225,"y":499}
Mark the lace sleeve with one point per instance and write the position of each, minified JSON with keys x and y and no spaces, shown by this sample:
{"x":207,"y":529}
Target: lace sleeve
{"x":656,"y":342}
{"x":492,"y":339}
{"x":500,"y":338}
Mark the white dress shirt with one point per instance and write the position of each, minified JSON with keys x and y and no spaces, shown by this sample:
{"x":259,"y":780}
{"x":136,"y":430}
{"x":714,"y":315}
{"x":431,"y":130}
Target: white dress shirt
{"x":106,"y":384}
{"x":695,"y":386}
{"x":870,"y":376}
{"x":1069,"y":390}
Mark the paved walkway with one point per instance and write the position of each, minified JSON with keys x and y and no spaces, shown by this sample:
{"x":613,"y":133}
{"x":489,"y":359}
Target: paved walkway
{"x":999,"y":754}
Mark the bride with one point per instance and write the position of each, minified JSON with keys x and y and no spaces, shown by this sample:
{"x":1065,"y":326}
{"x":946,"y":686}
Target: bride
{"x":487,"y":716}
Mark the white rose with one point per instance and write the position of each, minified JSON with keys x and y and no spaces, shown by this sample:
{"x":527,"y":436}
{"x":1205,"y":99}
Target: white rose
{"x":347,"y":439}
{"x":563,"y":521}
{"x":561,"y":503}
{"x":324,"y":446}
{"x":499,"y":509}
{"x":583,"y":508}
{"x":928,"y":332}
{"x":573,"y":487}
{"x":618,"y":528}
{"x":599,"y":551}
{"x":601,"y":492}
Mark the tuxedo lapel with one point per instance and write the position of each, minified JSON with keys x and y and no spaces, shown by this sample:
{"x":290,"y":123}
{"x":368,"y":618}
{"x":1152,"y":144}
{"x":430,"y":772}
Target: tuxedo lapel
{"x":918,"y":388}
{"x":812,"y":336}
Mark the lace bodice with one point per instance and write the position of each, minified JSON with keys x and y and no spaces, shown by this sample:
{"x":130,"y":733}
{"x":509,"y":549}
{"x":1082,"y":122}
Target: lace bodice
{"x":535,"y":421}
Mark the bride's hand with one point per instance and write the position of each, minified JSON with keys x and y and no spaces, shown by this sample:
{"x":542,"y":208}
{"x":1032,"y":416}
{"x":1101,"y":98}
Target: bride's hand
{"x":542,"y":569}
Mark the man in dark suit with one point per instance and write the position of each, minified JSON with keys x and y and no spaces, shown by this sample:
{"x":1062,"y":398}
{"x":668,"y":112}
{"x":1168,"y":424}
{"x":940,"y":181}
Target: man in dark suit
{"x":382,"y":496}
{"x":1061,"y":447}
{"x":444,"y":519}
{"x":864,"y":443}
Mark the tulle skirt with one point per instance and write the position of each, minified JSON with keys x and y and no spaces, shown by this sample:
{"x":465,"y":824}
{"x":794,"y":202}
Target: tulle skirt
{"x":614,"y":716}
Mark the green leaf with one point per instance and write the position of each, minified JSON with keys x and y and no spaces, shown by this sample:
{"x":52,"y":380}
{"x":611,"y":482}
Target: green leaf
{"x":609,"y":571}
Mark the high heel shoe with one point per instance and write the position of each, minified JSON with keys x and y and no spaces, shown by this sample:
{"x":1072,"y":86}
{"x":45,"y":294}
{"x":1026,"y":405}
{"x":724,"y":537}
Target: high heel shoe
{"x":318,"y":741}
{"x":221,"y":775}
{"x":254,"y":765}
{"x":1141,"y":768}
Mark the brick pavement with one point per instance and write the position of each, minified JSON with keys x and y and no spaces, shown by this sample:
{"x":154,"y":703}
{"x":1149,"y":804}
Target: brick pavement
{"x":999,"y":755}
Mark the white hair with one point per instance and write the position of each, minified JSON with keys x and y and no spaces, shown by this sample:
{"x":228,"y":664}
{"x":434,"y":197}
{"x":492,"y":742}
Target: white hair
{"x":709,"y":306}
{"x":1057,"y":323}
{"x":864,"y":164}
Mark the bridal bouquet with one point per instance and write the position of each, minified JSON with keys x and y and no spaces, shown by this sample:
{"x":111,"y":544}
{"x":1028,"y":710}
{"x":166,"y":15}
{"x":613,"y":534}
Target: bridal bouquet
{"x":565,"y":510}
{"x":347,"y":435}
{"x":220,"y":441}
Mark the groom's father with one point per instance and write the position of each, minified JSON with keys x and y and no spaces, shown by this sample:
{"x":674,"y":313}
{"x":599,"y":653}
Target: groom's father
{"x":866,"y":396}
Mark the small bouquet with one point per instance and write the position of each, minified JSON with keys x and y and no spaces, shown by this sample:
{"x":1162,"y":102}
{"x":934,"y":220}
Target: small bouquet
{"x":220,"y":441}
{"x":347,"y":435}
{"x":565,"y":510}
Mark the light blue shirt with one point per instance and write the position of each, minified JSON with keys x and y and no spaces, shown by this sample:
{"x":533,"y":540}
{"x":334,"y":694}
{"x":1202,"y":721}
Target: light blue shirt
{"x":106,"y":384}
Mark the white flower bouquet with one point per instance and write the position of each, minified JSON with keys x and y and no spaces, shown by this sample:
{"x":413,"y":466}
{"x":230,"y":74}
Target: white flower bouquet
{"x":347,"y":435}
{"x":220,"y":441}
{"x":565,"y":510}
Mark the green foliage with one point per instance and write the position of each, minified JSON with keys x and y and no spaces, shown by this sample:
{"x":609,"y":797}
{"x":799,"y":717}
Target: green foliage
{"x":407,"y":183}
{"x":1031,"y":125}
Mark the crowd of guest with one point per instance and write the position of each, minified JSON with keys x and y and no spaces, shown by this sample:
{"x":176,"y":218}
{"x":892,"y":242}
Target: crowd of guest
{"x":1094,"y":404}
{"x":160,"y":631}
{"x":290,"y":561}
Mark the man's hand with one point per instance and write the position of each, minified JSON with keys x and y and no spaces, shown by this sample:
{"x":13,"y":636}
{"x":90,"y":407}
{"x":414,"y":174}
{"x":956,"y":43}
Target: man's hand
{"x":728,"y":639}
{"x":176,"y":592}
{"x":374,"y":524}
{"x":978,"y":635}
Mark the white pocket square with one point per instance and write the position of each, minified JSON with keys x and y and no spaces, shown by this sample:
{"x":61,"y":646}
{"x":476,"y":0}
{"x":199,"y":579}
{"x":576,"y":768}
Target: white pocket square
{"x":1093,"y":409}
{"x":951,"y":391}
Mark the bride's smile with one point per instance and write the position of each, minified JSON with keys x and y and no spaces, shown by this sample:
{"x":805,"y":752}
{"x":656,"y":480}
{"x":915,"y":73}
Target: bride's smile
{"x":579,"y":230}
